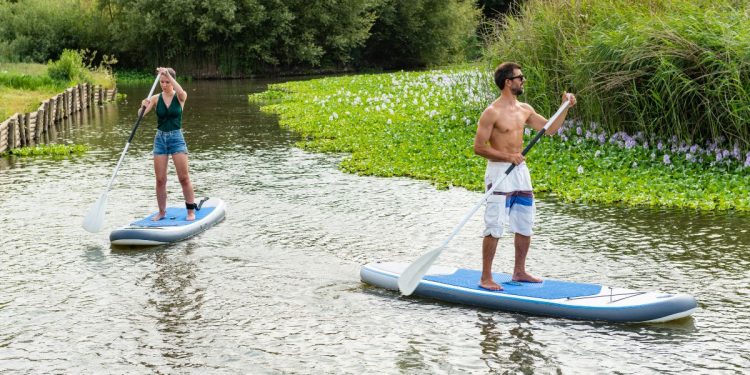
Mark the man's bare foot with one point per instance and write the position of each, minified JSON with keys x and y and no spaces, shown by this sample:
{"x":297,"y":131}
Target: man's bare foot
{"x":526,"y":277}
{"x":159,"y":216}
{"x":190,"y":215}
{"x":489,"y":285}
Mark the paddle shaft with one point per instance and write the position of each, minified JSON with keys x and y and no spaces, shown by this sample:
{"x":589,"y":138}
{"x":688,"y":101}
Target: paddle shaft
{"x":141,"y":113}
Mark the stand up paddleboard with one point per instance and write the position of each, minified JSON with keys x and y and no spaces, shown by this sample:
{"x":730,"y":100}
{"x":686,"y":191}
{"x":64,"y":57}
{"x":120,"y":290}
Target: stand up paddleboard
{"x":172,"y":228}
{"x":551,"y":297}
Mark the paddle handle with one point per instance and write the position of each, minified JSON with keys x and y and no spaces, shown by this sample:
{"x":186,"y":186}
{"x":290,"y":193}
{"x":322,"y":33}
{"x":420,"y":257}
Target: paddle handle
{"x":141,"y":113}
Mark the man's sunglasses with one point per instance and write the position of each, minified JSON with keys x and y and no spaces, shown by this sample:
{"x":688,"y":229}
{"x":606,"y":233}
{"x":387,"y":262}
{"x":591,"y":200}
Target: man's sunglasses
{"x":518,"y":76}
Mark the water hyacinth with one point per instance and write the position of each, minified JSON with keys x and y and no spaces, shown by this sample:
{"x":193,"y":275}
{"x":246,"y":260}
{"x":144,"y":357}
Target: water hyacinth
{"x":421,"y":125}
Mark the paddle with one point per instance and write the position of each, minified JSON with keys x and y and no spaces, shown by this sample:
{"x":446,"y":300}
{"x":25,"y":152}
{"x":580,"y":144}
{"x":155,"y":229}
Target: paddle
{"x":410,"y":278}
{"x":94,"y":219}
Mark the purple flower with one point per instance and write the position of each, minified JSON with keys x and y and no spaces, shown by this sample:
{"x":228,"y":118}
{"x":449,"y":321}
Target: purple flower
{"x":660,"y":146}
{"x":666,"y":159}
{"x":579,"y":131}
{"x":690,"y":157}
{"x":719,"y":156}
{"x":602,"y":138}
{"x":630,"y":143}
{"x":747,"y":160}
{"x":694,"y":148}
{"x":580,"y":169}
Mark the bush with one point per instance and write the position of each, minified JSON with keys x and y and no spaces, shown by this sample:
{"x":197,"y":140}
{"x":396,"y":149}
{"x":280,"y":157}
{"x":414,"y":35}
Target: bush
{"x":69,"y":67}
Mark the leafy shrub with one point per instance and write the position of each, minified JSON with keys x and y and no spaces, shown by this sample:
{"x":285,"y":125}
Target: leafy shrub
{"x":69,"y":67}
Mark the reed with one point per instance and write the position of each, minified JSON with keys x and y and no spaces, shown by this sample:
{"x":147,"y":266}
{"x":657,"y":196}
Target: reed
{"x":662,"y":67}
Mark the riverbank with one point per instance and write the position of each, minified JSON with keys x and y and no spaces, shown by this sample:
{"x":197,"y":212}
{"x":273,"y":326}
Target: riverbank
{"x":24,"y":87}
{"x":422,"y":125}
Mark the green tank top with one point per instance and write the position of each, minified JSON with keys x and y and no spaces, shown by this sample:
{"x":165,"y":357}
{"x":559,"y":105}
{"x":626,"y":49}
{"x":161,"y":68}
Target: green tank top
{"x":169,"y":118}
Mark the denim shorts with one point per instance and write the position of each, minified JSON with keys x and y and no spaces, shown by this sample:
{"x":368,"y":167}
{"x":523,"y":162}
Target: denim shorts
{"x":168,"y":143}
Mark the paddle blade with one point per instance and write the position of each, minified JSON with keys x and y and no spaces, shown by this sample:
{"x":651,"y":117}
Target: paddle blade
{"x":94,"y":219}
{"x":412,"y":275}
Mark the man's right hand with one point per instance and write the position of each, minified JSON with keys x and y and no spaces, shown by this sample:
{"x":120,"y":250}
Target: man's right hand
{"x":516,"y":159}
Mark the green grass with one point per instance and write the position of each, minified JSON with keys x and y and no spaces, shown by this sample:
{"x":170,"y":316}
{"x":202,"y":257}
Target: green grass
{"x":422,"y":125}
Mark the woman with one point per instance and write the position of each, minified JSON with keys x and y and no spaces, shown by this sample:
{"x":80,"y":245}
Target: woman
{"x":169,"y":141}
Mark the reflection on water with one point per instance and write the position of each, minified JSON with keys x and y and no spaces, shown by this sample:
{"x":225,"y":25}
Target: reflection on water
{"x":275,"y":287}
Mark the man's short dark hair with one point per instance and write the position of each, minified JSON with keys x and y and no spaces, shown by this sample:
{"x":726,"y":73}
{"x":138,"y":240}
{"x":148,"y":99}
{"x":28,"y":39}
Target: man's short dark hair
{"x":504,"y":71}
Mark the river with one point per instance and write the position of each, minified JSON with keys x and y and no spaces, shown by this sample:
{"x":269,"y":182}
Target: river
{"x":275,"y":287}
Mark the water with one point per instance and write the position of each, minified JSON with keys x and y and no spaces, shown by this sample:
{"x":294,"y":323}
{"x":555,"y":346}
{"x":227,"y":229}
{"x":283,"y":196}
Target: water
{"x":275,"y":287}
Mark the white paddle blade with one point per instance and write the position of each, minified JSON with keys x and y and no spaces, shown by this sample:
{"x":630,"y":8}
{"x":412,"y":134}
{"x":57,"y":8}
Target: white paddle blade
{"x":94,"y":220}
{"x":412,"y":275}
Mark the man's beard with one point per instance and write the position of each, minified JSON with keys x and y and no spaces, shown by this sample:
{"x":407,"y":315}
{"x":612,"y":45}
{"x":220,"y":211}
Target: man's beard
{"x":517,"y":91}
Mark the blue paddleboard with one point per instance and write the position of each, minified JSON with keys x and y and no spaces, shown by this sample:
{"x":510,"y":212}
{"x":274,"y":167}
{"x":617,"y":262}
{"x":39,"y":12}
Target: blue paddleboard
{"x":172,"y":228}
{"x":551,"y":297}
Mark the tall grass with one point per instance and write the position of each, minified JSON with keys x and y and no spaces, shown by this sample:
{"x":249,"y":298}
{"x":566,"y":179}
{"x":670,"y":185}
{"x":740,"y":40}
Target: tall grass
{"x":662,"y":67}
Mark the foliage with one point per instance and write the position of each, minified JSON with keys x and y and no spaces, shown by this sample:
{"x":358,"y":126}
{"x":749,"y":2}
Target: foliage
{"x":69,"y":68}
{"x":422,"y":125}
{"x":38,"y":30}
{"x":409,"y":33}
{"x":662,"y":67}
{"x":233,"y":38}
{"x":49,"y":150}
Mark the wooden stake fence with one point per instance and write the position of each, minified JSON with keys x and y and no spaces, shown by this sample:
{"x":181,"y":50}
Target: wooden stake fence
{"x":28,"y":129}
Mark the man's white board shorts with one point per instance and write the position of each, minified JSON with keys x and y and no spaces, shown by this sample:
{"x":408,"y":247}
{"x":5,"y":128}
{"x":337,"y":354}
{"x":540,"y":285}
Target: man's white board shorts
{"x":512,"y":202}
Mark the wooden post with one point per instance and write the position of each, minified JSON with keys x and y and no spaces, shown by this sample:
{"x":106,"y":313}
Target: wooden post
{"x":27,"y":129}
{"x":74,"y":99}
{"x":64,"y":113}
{"x":12,"y":128}
{"x":100,"y":99}
{"x":32,"y":124}
{"x":58,"y":108}
{"x":47,"y":116}
{"x":88,"y":95}
{"x":81,"y":98}
{"x":4,"y":135}
{"x":40,"y":125}
{"x":21,"y":130}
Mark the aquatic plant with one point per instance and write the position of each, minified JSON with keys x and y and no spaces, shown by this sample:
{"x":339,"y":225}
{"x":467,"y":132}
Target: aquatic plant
{"x":48,"y":150}
{"x":422,"y":125}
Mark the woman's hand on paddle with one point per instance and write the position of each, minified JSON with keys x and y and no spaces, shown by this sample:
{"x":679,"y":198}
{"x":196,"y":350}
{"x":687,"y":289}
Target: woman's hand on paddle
{"x":144,"y":107}
{"x":163,"y":71}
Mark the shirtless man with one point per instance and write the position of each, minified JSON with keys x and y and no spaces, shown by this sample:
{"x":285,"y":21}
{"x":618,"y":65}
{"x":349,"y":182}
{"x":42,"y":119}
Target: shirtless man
{"x":499,"y":139}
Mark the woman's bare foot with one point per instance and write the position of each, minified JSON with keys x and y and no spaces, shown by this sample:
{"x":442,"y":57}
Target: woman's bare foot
{"x":489,"y":285}
{"x":159,"y":216}
{"x":190,"y":215}
{"x":526,"y":277}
